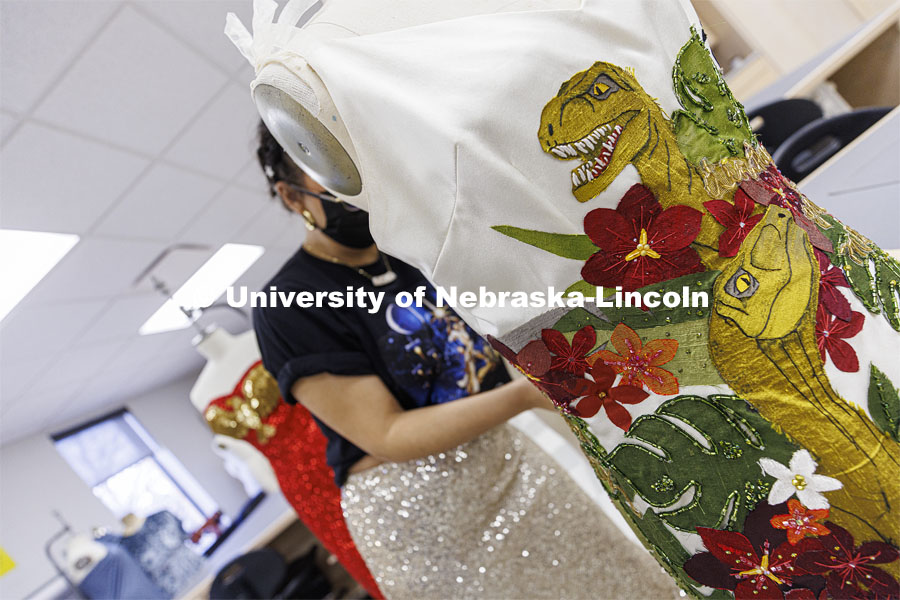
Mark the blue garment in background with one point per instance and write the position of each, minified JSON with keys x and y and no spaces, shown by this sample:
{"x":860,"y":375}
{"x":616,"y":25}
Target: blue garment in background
{"x":160,"y":550}
{"x":119,"y":577}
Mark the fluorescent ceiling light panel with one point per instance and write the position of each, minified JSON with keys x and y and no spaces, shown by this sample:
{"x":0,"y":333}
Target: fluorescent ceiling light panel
{"x":27,"y":257}
{"x":203,"y":287}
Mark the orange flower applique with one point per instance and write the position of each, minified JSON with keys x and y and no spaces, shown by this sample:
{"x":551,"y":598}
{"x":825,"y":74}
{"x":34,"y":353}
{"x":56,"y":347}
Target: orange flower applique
{"x":801,"y":521}
{"x":639,"y":363}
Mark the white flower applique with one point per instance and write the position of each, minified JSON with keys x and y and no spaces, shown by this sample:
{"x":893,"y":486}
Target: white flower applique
{"x":799,"y":478}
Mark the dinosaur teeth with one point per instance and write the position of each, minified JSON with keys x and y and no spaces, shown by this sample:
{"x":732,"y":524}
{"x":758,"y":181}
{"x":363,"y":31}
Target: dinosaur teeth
{"x":595,"y":166}
{"x":564,"y":151}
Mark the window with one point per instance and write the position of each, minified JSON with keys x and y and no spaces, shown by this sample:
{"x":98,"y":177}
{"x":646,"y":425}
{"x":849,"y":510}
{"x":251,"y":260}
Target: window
{"x":130,"y":473}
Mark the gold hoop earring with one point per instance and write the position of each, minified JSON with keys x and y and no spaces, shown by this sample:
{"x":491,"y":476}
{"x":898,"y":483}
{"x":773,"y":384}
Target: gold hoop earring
{"x":308,"y":219}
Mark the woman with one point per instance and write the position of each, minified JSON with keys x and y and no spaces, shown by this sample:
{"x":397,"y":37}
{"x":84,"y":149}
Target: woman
{"x":441,"y":497}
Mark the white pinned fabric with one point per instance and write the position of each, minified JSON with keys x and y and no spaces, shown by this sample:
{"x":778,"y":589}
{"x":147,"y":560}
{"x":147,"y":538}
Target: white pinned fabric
{"x":443,"y":120}
{"x":272,"y":49}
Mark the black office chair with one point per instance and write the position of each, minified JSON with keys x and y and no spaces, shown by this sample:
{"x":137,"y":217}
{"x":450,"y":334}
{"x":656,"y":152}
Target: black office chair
{"x":813,"y":144}
{"x":263,"y":574}
{"x":782,"y":118}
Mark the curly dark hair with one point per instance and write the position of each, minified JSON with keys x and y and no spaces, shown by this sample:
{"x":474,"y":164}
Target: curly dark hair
{"x":275,"y":163}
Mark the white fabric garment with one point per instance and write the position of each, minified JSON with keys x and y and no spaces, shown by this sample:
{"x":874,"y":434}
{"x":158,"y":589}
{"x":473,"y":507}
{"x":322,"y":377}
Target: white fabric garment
{"x":470,"y":91}
{"x":443,"y":121}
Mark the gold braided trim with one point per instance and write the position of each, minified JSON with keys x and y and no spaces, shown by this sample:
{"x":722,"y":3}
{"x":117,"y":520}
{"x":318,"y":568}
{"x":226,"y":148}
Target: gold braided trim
{"x":725,"y":175}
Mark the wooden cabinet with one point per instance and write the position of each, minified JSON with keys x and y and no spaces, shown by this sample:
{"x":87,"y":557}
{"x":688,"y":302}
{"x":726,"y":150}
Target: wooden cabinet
{"x":759,"y":41}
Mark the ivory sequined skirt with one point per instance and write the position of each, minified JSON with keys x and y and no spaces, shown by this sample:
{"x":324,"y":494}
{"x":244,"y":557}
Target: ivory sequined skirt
{"x":494,"y":518}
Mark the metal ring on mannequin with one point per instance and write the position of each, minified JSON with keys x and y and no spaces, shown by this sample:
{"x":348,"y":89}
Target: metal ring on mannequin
{"x":307,"y":141}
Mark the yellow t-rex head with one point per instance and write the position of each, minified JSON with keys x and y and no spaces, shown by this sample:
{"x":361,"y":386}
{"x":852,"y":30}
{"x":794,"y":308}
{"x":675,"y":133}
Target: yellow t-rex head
{"x":768,"y":285}
{"x":603,"y":118}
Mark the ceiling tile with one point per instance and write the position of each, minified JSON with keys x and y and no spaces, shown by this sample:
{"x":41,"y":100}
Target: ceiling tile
{"x":7,"y":122}
{"x":47,"y":36}
{"x":27,"y":414}
{"x":53,"y":181}
{"x":136,"y":86}
{"x":121,"y":319}
{"x":95,"y":268}
{"x":260,"y":273}
{"x":293,"y":236}
{"x":82,"y":362}
{"x":173,"y":269}
{"x":143,"y":364}
{"x":252,"y":177}
{"x":160,"y":205}
{"x":224,"y":218}
{"x":39,"y":331}
{"x":147,"y":350}
{"x":18,"y":373}
{"x":201,"y":24}
{"x":221,"y":139}
{"x":270,"y":224}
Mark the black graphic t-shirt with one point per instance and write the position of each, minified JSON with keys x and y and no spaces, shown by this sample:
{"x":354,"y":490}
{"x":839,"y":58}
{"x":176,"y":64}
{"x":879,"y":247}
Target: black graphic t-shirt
{"x":424,"y":355}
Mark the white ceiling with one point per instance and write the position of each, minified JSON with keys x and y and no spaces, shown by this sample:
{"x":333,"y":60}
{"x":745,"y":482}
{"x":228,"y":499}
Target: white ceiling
{"x":129,"y":124}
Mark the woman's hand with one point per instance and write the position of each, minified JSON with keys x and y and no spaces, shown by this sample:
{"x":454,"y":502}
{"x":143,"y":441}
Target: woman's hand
{"x":531,"y":396}
{"x":362,"y":410}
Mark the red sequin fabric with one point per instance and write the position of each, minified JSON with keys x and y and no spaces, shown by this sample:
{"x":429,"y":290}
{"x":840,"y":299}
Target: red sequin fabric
{"x":287,"y":435}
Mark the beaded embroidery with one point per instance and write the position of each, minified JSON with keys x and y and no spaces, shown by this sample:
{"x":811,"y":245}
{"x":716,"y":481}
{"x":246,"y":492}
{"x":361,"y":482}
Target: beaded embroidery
{"x":774,"y":263}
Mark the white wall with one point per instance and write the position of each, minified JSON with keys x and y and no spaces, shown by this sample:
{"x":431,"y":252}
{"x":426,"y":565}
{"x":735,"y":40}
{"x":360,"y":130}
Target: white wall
{"x":35,"y":480}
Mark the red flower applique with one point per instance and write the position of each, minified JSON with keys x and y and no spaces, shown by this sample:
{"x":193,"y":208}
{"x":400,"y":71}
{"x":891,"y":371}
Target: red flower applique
{"x":639,"y":363}
{"x":738,"y":219}
{"x":534,"y":362}
{"x":849,"y":568}
{"x":830,"y":335}
{"x":598,"y":393}
{"x":758,"y":575}
{"x":773,"y":188}
{"x":640,"y":243}
{"x":800,"y":521}
{"x":759,"y":562}
{"x":571,"y":358}
{"x":831,"y":278}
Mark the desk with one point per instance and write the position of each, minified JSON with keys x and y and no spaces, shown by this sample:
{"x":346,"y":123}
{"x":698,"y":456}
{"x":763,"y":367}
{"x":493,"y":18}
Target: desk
{"x":860,"y":185}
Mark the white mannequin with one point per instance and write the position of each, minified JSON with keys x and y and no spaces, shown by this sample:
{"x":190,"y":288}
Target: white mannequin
{"x":82,"y":554}
{"x":228,"y":357}
{"x":238,"y":467}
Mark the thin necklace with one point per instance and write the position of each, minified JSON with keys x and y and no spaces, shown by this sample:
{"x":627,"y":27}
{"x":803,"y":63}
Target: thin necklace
{"x":380,"y":280}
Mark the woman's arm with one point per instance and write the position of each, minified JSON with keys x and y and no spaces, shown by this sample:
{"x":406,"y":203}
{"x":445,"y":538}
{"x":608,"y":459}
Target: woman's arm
{"x":363,"y":410}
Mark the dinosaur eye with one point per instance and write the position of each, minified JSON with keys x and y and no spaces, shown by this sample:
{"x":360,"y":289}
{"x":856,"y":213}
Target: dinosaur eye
{"x":602,"y":87}
{"x":741,"y":285}
{"x":550,"y":128}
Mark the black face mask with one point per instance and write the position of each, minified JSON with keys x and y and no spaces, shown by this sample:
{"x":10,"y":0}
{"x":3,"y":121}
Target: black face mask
{"x":346,"y":224}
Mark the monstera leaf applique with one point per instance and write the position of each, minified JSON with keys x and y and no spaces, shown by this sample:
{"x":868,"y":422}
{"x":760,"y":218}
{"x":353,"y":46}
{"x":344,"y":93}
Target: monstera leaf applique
{"x":702,"y":449}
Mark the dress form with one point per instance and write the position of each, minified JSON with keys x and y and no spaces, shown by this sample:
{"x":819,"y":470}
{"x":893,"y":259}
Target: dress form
{"x":285,"y":453}
{"x":227,"y":357}
{"x":327,"y":153}
{"x":82,"y":554}
{"x":649,"y":58}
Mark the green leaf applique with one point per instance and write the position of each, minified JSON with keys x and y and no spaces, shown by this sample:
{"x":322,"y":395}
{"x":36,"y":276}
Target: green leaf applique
{"x":884,"y":403}
{"x":704,"y":449}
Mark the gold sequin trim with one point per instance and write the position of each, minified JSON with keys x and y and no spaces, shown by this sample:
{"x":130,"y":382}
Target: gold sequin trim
{"x":259,"y":396}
